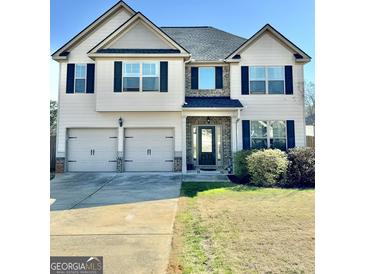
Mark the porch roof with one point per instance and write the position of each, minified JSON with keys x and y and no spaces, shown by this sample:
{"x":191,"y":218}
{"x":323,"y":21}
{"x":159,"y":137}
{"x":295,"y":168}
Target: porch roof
{"x":211,"y":102}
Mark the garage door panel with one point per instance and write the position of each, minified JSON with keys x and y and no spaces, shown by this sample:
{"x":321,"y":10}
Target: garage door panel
{"x":149,"y":149}
{"x":92,"y":150}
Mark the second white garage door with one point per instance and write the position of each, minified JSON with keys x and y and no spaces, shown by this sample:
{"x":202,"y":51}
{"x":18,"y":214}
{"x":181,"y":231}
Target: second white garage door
{"x":149,"y":149}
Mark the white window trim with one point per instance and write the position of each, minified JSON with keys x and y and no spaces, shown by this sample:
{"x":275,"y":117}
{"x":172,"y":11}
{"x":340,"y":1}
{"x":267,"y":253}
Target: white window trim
{"x":84,"y":65}
{"x":213,"y":67}
{"x":268,"y":129}
{"x":266,"y":80}
{"x":141,"y":75}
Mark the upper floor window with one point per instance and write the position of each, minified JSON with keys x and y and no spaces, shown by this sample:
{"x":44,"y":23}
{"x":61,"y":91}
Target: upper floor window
{"x":267,"y":80}
{"x":141,"y":76}
{"x":268,"y":134}
{"x":80,"y":78}
{"x":206,"y":78}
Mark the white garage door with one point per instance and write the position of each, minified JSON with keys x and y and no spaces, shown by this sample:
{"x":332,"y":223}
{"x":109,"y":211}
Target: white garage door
{"x":148,"y":149}
{"x":92,"y":149}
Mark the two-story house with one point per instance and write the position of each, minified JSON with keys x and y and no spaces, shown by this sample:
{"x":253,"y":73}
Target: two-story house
{"x":137,"y":97}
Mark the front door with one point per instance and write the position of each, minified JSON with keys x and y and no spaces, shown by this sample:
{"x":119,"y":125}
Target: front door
{"x":206,"y":145}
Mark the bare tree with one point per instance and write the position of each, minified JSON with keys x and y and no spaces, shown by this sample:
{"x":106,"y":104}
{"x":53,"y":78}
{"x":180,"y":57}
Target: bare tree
{"x":53,"y":117}
{"x":309,"y":100}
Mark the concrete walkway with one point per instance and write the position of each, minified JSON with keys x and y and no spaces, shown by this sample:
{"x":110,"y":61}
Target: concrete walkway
{"x":126,"y":218}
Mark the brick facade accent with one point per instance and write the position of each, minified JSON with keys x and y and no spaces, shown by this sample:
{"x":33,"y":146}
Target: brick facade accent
{"x":225,"y":122}
{"x":60,"y":164}
{"x":177,"y":164}
{"x":210,"y":92}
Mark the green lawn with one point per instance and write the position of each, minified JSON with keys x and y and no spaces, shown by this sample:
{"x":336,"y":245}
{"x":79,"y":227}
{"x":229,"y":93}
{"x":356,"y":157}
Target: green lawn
{"x":226,"y":228}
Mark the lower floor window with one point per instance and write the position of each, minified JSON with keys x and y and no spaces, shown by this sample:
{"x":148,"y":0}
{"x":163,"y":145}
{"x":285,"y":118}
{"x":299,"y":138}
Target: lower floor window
{"x":268,"y":134}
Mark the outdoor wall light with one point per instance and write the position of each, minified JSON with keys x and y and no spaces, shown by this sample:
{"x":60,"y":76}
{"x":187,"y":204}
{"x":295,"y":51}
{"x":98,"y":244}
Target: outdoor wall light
{"x":120,"y":120}
{"x":208,"y":120}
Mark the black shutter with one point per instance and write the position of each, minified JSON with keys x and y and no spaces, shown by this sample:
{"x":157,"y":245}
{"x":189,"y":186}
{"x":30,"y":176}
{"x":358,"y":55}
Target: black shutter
{"x":288,"y":79}
{"x":90,"y":78}
{"x":290,"y":133}
{"x":118,"y":66}
{"x":246,"y":142}
{"x":70,"y":82}
{"x":244,"y":80}
{"x":164,"y":76}
{"x":218,"y":77}
{"x":194,"y":78}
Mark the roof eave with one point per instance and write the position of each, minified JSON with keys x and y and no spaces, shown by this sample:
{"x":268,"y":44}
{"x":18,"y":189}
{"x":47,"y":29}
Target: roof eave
{"x":130,"y":22}
{"x":137,"y":55}
{"x":90,"y":27}
{"x":212,"y":108}
{"x":276,"y":33}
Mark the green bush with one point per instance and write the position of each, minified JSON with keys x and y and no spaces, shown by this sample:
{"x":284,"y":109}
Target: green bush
{"x":267,"y":167}
{"x":240,"y":163}
{"x":301,"y":168}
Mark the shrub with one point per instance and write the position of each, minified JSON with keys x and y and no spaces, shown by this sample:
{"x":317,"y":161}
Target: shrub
{"x":240,"y":163}
{"x":267,"y":167}
{"x":301,"y":168}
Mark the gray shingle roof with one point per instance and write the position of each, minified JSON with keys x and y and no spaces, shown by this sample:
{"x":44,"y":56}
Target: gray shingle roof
{"x":211,"y":102}
{"x":205,"y":43}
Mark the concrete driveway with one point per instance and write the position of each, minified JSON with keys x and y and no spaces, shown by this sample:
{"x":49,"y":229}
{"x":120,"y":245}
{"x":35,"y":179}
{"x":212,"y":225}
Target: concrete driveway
{"x":126,"y":218}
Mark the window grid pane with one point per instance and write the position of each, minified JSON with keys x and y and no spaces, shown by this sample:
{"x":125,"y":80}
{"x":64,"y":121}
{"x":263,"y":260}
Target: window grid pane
{"x":257,"y":73}
{"x":131,"y":69}
{"x":130,"y":83}
{"x":80,"y":85}
{"x":80,"y":71}
{"x":258,"y":129}
{"x":149,"y":69}
{"x":150,"y":83}
{"x":276,"y":87}
{"x":275,"y":73}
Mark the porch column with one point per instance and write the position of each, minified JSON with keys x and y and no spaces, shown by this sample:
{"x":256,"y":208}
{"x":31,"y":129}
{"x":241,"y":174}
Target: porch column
{"x":183,"y":138}
{"x":234,"y":134}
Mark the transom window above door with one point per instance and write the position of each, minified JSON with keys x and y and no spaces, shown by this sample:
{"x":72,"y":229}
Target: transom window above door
{"x":141,"y":76}
{"x":267,"y":80}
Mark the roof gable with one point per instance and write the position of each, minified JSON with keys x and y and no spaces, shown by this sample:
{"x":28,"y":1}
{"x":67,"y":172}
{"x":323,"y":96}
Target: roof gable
{"x":299,"y":54}
{"x":137,"y":33}
{"x":62,"y":52}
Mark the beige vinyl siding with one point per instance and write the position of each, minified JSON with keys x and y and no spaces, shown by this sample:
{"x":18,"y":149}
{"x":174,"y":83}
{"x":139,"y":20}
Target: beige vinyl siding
{"x":78,"y":111}
{"x":108,"y":100}
{"x":79,"y":52}
{"x":141,"y":37}
{"x":268,"y":51}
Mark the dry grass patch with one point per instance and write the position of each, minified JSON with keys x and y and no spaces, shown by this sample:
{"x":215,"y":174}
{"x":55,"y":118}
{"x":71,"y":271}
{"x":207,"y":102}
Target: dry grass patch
{"x":225,"y":228}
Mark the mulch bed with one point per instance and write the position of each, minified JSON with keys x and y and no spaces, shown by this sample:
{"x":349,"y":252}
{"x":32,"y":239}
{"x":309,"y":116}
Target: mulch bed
{"x":238,"y":180}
